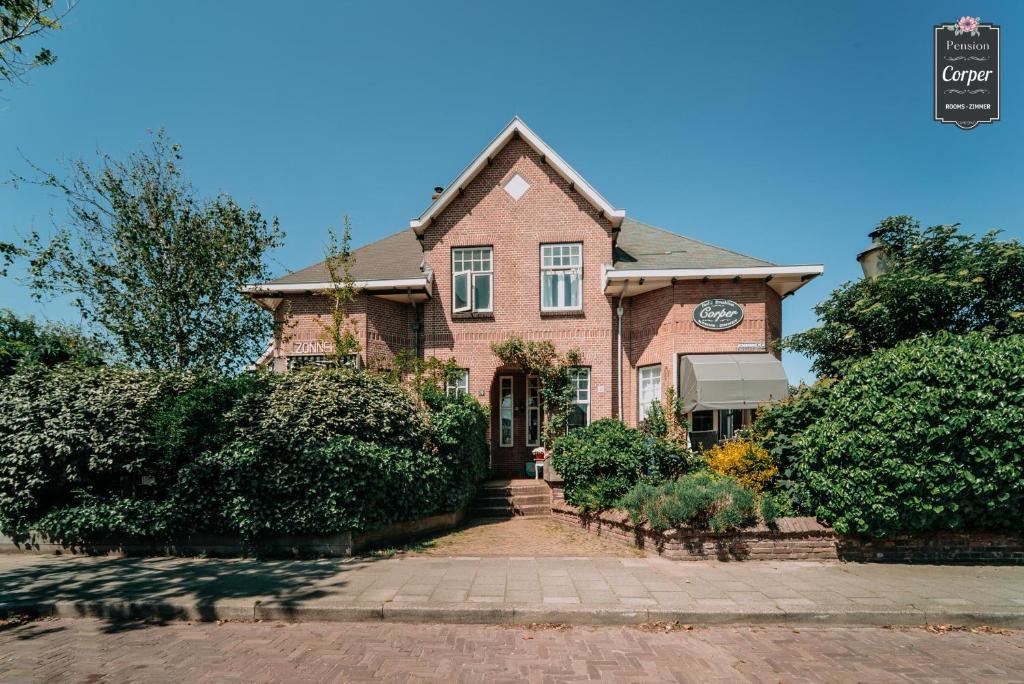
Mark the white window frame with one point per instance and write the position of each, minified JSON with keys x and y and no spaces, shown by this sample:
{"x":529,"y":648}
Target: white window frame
{"x":472,"y":274}
{"x":511,"y":411}
{"x":533,"y":408}
{"x":460,"y":384}
{"x":576,"y":269}
{"x":575,"y":375}
{"x":642,"y":404}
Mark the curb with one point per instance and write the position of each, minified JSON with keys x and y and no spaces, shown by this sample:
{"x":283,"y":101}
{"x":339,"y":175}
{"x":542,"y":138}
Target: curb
{"x":500,"y":614}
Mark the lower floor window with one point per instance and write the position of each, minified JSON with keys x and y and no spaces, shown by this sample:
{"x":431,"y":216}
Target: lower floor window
{"x":702,"y":421}
{"x":297,"y":362}
{"x":649,"y":388}
{"x":458,"y":383}
{"x":579,"y":412}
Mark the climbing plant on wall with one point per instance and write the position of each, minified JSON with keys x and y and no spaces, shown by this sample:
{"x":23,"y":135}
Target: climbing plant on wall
{"x":541,"y":359}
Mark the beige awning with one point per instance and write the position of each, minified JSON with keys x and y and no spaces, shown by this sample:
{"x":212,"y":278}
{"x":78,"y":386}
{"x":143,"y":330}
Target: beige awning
{"x":731,"y":381}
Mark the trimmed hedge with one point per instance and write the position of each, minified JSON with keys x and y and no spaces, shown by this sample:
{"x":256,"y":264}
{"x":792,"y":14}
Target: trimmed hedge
{"x":599,"y":463}
{"x":88,"y":453}
{"x":926,"y":436}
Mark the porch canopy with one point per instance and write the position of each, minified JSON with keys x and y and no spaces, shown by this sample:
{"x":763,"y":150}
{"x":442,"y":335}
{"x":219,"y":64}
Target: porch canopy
{"x":731,"y":381}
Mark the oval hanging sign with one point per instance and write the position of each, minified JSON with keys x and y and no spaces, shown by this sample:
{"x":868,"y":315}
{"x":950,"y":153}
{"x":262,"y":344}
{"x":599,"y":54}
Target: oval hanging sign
{"x":718,"y":314}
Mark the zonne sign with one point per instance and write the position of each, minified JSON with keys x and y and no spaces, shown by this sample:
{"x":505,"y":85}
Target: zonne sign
{"x":718,"y":314}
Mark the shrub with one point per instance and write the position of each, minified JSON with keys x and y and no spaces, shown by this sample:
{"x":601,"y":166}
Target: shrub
{"x":89,"y":453}
{"x":928,"y":435}
{"x":697,"y":500}
{"x":599,"y":463}
{"x":776,"y":429}
{"x":749,"y":463}
{"x":308,"y":409}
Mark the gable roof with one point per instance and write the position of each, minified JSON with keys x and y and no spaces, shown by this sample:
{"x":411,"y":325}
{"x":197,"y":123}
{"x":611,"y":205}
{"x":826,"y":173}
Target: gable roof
{"x":396,"y":257}
{"x":517,"y":128}
{"x":641,"y":246}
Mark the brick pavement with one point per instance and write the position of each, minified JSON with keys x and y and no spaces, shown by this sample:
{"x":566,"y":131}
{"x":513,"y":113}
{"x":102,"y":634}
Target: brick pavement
{"x":540,"y":536}
{"x":93,"y":651}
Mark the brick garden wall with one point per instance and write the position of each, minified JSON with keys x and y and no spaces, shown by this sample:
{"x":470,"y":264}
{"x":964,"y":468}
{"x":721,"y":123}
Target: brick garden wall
{"x":798,"y":539}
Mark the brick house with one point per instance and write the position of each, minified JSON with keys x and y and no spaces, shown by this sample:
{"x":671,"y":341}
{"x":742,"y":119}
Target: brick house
{"x":520,"y":244}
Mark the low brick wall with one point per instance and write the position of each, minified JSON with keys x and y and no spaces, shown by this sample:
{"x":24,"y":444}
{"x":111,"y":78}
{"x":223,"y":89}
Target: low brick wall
{"x":795,"y":538}
{"x":291,"y":546}
{"x":937,"y":547}
{"x":799,"y":539}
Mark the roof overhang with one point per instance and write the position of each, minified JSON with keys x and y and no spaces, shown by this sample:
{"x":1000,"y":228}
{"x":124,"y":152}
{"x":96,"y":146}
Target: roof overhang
{"x":785,"y":280}
{"x":516,"y":127}
{"x":404,"y":290}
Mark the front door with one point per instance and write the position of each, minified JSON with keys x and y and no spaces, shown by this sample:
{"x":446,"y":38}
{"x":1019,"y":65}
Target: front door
{"x":514,"y":423}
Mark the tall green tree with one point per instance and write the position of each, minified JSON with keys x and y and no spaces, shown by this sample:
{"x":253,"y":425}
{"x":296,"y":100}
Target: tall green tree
{"x":23,"y":21}
{"x":152,"y":267}
{"x":25,"y":340}
{"x":937,"y":279}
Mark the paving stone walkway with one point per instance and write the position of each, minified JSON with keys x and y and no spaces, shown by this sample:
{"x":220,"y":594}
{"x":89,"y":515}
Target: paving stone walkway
{"x":540,"y":536}
{"x":585,"y":589}
{"x":91,"y":651}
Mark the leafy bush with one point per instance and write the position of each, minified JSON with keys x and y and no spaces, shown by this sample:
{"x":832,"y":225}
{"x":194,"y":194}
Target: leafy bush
{"x":928,"y":435}
{"x":776,"y":429}
{"x":310,"y":408}
{"x":88,"y":453}
{"x":743,"y":459}
{"x":23,"y":340}
{"x":599,"y":463}
{"x":698,"y":500}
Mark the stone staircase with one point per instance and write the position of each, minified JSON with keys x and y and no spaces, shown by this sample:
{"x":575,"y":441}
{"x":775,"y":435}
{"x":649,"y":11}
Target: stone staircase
{"x":510,"y":498}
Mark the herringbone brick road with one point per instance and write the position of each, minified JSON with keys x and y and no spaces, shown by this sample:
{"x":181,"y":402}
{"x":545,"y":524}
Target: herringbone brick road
{"x":89,"y":650}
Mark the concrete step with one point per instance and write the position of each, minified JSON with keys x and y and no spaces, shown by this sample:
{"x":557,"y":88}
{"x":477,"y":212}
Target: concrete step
{"x":533,"y":511}
{"x":493,"y":511}
{"x":527,"y":499}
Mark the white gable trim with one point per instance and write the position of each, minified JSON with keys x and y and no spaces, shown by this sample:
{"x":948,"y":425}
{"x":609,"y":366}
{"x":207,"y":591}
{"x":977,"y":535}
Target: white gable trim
{"x":517,"y":127}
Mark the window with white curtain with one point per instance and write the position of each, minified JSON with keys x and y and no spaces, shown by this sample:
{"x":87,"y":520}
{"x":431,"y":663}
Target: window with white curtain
{"x":472,"y":279}
{"x":533,"y":410}
{"x":561,"y":276}
{"x":649,"y":388}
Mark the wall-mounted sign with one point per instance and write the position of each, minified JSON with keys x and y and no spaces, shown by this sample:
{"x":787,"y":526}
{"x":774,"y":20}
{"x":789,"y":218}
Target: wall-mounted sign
{"x":718,"y":314}
{"x":967,"y":73}
{"x":750,"y":345}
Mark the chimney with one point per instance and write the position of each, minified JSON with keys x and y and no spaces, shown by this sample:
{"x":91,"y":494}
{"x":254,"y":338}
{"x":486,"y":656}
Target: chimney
{"x":437,"y":193}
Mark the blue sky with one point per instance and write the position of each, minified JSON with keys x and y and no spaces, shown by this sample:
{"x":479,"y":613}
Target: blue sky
{"x":783,"y":130}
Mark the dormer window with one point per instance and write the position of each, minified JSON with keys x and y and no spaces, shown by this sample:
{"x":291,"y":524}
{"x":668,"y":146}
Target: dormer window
{"x":472,"y":275}
{"x":561,"y":275}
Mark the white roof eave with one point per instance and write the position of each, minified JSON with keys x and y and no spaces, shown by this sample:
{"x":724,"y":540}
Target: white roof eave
{"x":517,"y":127}
{"x":783,"y":279}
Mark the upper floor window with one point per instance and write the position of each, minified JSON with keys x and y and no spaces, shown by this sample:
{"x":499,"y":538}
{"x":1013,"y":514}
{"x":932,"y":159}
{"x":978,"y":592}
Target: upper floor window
{"x":649,"y":388}
{"x":561,"y":272}
{"x":458,"y":383}
{"x":472,"y":275}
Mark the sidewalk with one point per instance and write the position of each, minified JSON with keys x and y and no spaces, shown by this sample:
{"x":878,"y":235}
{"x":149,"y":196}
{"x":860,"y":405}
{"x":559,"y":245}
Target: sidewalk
{"x":517,"y":590}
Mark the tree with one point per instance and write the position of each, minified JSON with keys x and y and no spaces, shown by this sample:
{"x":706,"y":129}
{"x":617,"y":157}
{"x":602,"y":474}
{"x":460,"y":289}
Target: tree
{"x":342,"y":292}
{"x":937,"y":279}
{"x":23,"y":340}
{"x":153,"y":268}
{"x":22,"y":20}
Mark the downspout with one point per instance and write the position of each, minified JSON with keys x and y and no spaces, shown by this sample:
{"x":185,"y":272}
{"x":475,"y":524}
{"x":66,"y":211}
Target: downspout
{"x":618,"y":373}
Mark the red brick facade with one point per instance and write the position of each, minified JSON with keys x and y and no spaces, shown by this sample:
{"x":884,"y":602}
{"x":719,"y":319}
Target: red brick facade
{"x":658,"y":325}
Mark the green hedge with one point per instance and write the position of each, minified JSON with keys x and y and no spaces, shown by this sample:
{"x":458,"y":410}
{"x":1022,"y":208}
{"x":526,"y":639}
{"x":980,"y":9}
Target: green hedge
{"x":599,"y":463}
{"x":87,"y":453}
{"x":928,"y":435}
{"x":699,"y":500}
